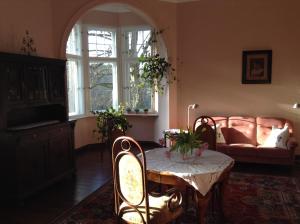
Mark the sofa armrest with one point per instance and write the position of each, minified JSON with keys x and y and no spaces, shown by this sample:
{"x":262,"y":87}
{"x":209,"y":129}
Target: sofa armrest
{"x":292,"y":143}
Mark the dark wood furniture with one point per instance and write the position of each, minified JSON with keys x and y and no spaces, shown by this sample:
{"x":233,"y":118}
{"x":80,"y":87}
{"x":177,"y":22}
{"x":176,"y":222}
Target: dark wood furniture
{"x":162,"y":171}
{"x":133,"y":202}
{"x":36,"y":138}
{"x":206,"y":129}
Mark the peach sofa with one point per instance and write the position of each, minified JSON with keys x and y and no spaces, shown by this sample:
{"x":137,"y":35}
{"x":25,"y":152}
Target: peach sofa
{"x":245,"y":136}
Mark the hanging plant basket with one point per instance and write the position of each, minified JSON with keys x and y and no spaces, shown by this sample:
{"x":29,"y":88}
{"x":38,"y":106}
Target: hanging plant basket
{"x":156,"y":72}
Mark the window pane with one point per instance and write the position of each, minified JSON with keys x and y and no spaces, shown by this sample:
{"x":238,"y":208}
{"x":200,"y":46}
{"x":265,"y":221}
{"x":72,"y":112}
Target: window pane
{"x":74,"y":87}
{"x":101,"y":84}
{"x":139,"y":96}
{"x":102,"y":43}
{"x":73,"y":44}
{"x":137,"y":42}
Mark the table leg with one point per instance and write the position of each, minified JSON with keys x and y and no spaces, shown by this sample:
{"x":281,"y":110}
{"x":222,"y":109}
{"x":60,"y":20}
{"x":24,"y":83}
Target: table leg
{"x":202,"y":202}
{"x":222,"y":186}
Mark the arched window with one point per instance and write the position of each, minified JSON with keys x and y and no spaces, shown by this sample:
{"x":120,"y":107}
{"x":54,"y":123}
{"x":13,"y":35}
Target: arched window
{"x":103,"y":63}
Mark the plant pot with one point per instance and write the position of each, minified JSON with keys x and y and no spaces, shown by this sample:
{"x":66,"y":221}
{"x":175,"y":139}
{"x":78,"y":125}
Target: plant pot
{"x":187,"y":156}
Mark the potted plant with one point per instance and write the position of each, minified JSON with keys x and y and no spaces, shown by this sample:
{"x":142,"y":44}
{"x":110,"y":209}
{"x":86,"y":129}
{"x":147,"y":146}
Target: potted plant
{"x":128,"y":110}
{"x":185,"y":142}
{"x":110,"y":122}
{"x":146,"y":110}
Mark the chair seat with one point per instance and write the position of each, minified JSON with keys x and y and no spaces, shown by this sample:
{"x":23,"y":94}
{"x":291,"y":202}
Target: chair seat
{"x":158,"y":211}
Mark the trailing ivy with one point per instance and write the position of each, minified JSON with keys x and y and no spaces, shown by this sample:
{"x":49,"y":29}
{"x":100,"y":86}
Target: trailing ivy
{"x":153,"y":70}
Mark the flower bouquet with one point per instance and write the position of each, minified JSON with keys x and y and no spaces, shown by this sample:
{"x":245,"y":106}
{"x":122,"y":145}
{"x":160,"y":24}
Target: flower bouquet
{"x":185,"y":142}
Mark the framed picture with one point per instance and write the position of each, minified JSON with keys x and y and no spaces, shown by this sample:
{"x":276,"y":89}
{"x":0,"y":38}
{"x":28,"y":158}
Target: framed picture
{"x":257,"y":67}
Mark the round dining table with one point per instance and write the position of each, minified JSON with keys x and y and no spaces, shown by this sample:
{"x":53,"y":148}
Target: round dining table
{"x":201,"y":173}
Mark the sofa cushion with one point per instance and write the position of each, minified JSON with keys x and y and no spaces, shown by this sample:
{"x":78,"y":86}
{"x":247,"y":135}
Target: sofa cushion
{"x":219,"y":135}
{"x":223,"y":122}
{"x":242,"y":130}
{"x":278,"y":138}
{"x":264,"y":127}
{"x":237,"y":149}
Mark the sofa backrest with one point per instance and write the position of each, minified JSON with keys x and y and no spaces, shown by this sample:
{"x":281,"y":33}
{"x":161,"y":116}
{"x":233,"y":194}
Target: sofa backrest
{"x":223,"y":122}
{"x":242,"y":130}
{"x":249,"y":130}
{"x":238,"y":129}
{"x":264,"y":127}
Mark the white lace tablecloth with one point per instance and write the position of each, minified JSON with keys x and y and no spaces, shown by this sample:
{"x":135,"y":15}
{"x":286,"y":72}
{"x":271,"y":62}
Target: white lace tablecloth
{"x":199,"y":171}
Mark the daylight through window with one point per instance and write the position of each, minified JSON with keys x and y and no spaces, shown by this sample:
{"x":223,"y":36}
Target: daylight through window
{"x":103,"y":68}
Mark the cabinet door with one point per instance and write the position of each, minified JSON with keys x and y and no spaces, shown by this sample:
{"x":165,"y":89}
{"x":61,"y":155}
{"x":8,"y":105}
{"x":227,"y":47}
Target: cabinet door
{"x":15,"y":85}
{"x":35,"y":83}
{"x":31,"y":164}
{"x":56,"y":76}
{"x":59,"y":154}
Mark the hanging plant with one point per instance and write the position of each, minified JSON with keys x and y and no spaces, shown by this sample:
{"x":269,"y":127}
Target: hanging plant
{"x":156,"y":72}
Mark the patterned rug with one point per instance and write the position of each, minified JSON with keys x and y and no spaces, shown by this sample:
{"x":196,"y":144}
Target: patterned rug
{"x":249,"y":199}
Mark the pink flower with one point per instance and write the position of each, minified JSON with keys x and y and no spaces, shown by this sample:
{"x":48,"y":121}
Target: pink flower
{"x":199,"y":151}
{"x":204,"y":146}
{"x":161,"y":141}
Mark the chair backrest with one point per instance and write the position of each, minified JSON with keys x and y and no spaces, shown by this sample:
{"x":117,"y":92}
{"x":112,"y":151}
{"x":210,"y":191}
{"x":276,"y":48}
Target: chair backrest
{"x":129,"y":173}
{"x":206,"y":129}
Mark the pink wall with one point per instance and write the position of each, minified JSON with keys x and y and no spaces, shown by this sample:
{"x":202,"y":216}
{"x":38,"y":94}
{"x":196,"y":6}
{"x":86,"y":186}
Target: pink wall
{"x":34,"y":15}
{"x":98,"y":17}
{"x":210,"y":53}
{"x":84,"y":134}
{"x":131,"y":19}
{"x":113,"y":19}
{"x":143,"y":128}
{"x":159,"y":14}
{"x":204,"y":39}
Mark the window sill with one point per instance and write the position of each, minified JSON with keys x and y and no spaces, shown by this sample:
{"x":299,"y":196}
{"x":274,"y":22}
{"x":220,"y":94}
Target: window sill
{"x":82,"y":116}
{"x":141,"y":114}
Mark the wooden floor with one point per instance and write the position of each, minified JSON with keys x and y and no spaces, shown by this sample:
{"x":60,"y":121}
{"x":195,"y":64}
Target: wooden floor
{"x":93,"y":170}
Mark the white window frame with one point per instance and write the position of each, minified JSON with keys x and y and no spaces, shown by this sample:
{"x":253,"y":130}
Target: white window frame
{"x":127,"y":60}
{"x":88,"y":59}
{"x":120,"y":76}
{"x":78,"y":58}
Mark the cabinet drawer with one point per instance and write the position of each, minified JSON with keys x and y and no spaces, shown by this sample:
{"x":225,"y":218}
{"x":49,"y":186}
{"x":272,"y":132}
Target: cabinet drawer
{"x":58,"y":130}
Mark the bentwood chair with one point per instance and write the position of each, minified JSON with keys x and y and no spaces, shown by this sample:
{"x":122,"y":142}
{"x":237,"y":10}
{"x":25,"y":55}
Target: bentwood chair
{"x":133,"y":202}
{"x":206,"y":129}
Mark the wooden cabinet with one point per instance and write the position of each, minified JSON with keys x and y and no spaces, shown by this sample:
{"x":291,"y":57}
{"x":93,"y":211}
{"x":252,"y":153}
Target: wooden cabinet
{"x":36,"y":158}
{"x":58,"y":158}
{"x":36,"y":138}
